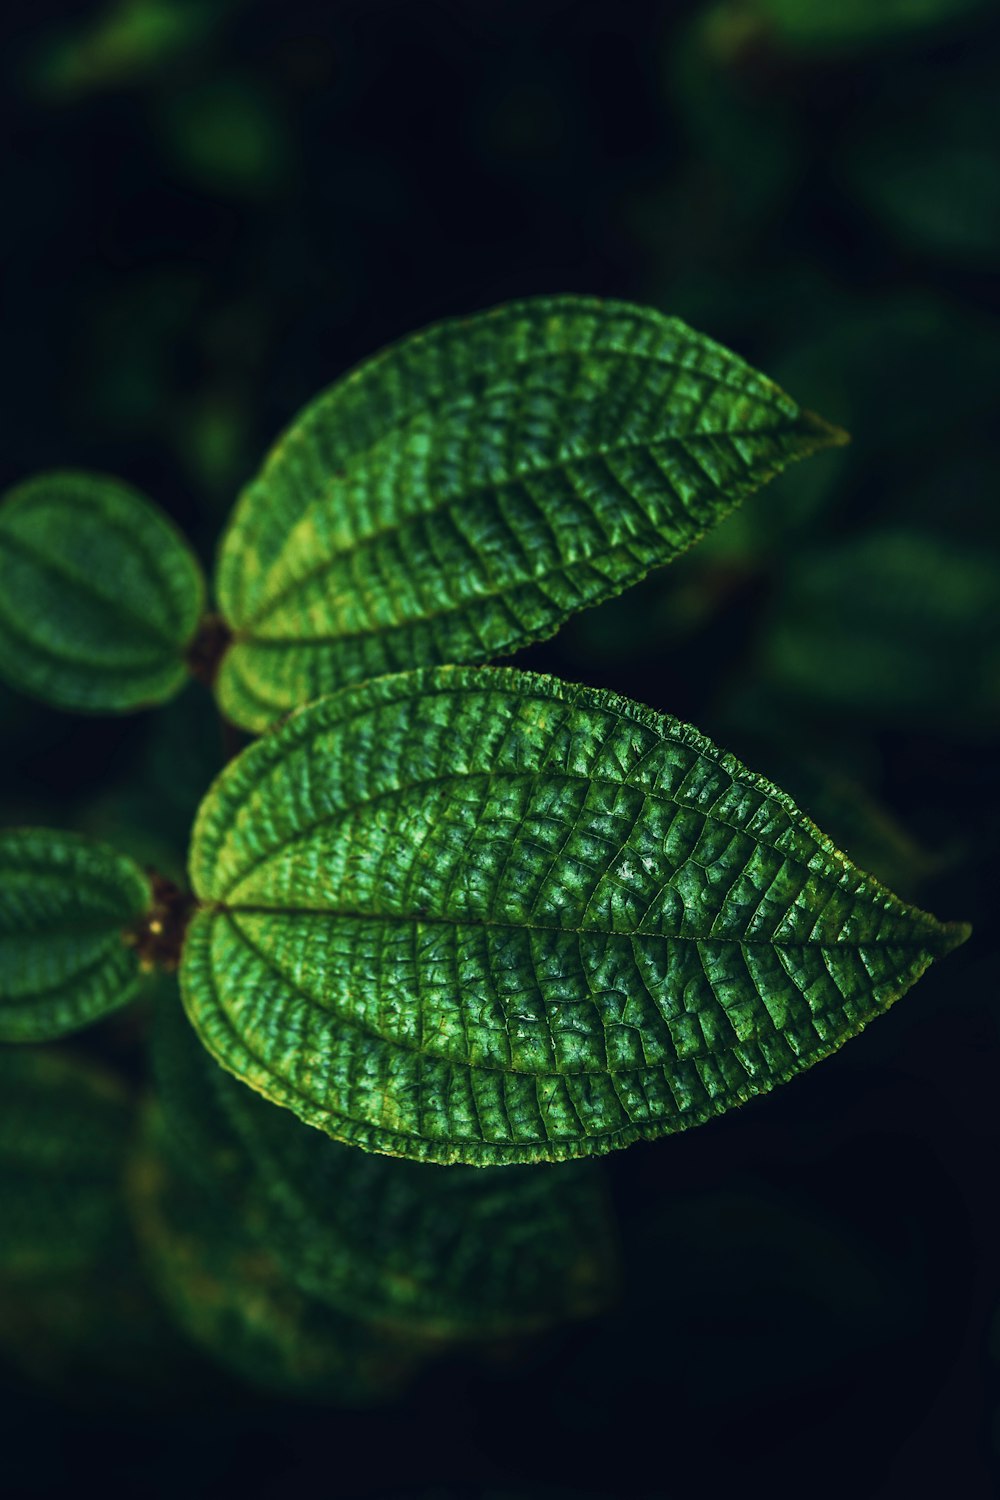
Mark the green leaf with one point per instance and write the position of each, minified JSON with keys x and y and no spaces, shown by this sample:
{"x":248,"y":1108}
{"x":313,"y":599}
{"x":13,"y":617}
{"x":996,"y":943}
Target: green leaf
{"x":74,"y":1314}
{"x":928,"y":170}
{"x":99,"y":595}
{"x":486,"y":917}
{"x":232,"y":1297}
{"x":208,"y":1232}
{"x":121,"y":42}
{"x":848,"y":24}
{"x":894,"y":626}
{"x":67,"y":904}
{"x":858,"y":23}
{"x":458,"y":1255}
{"x":467,"y":490}
{"x":444,"y":1255}
{"x":64,"y":1128}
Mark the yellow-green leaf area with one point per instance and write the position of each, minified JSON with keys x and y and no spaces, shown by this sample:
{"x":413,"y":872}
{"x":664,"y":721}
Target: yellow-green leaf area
{"x":67,"y":905}
{"x":483,"y":916}
{"x":467,"y":490}
{"x":99,"y":595}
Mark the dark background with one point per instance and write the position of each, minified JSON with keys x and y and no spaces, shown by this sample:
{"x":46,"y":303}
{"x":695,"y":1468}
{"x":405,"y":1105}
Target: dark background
{"x":213,"y":210}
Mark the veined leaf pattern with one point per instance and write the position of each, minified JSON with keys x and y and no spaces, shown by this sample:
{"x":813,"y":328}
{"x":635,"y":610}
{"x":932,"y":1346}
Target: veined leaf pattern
{"x":483,"y":916}
{"x":447,"y":1256}
{"x":99,"y":594}
{"x":66,"y":905}
{"x":466,"y":491}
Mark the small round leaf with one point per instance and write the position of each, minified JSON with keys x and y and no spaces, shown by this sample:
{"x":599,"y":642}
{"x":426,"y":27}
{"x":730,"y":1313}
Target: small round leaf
{"x":67,"y":904}
{"x":99,"y":595}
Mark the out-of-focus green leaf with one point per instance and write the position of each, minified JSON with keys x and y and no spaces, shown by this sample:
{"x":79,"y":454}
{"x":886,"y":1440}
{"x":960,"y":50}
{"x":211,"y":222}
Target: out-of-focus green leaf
{"x":233,"y":1299}
{"x":225,"y":134}
{"x":926,"y":163}
{"x":444,"y":1255}
{"x":482,"y":916}
{"x":122,"y":44}
{"x":74,"y":1315}
{"x":746,"y":154}
{"x":99,"y":595}
{"x":202,"y":1229}
{"x":134,"y":331}
{"x":894,"y":625}
{"x":67,"y":904}
{"x":469,"y":489}
{"x":829,"y":27}
{"x":211,"y":441}
{"x":64,"y":1131}
{"x":462,"y":1254}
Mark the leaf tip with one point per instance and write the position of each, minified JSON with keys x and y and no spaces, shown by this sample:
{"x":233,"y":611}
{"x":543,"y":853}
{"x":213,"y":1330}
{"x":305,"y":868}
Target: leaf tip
{"x":820,"y":433}
{"x":953,"y":935}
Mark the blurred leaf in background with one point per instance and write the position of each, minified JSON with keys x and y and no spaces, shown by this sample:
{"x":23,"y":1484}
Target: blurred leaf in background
{"x":123,"y":42}
{"x":75,"y":1314}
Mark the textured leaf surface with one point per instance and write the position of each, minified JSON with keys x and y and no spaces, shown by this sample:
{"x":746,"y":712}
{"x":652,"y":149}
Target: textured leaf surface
{"x":66,"y":904}
{"x":485,"y":917}
{"x":467,"y":490}
{"x":445,"y":1255}
{"x":99,"y":594}
{"x":462,"y":1254}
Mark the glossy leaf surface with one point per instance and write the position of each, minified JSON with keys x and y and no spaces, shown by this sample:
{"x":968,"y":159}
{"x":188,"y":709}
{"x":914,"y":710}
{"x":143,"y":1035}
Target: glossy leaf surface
{"x":467,"y":490}
{"x":66,"y":904}
{"x":486,"y":917}
{"x":99,"y":594}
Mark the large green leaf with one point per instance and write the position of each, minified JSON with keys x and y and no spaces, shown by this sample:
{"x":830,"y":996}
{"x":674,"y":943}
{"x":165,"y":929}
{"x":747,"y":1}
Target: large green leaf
{"x":99,"y":594}
{"x":482,"y":916}
{"x":67,"y":905}
{"x":467,"y":490}
{"x":894,"y":625}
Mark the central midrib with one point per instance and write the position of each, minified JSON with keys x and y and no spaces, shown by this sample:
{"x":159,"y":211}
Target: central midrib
{"x":223,"y":908}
